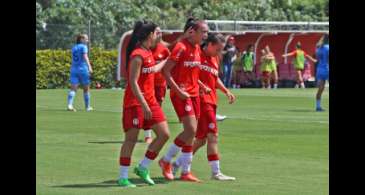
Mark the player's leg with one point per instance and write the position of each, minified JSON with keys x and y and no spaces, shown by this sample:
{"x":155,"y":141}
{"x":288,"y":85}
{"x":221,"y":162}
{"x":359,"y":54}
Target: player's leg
{"x":213,"y":158}
{"x":275,"y":78}
{"x":131,"y":136}
{"x":162,"y":135}
{"x":74,"y":81}
{"x":85,"y":81}
{"x":321,"y":86}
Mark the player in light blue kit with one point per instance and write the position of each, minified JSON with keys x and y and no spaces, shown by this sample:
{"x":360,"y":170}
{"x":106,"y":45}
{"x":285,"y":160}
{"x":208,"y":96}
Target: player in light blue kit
{"x":322,"y":55}
{"x":80,"y":72}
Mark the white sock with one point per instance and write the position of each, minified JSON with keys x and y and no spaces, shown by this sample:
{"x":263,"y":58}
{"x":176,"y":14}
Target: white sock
{"x":145,"y":162}
{"x":275,"y":86}
{"x":173,"y":150}
{"x":179,"y":161}
{"x":302,"y":85}
{"x":123,"y":172}
{"x":148,"y":133}
{"x":186,"y":160}
{"x":214,"y":165}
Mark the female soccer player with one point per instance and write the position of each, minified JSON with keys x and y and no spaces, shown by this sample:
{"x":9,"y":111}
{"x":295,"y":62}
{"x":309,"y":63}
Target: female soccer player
{"x":140,"y":107}
{"x":265,"y":70}
{"x":182,"y":74}
{"x":271,"y":60}
{"x":299,"y":57}
{"x":160,"y":52}
{"x":248,"y":63}
{"x":80,"y":72}
{"x":322,"y":55}
{"x":207,"y":124}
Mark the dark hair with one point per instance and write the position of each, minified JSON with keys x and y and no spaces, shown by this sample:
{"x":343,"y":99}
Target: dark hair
{"x":193,"y":22}
{"x":299,"y":45}
{"x":325,"y":39}
{"x":79,"y":37}
{"x":249,"y":47}
{"x":141,"y":30}
{"x":213,"y":38}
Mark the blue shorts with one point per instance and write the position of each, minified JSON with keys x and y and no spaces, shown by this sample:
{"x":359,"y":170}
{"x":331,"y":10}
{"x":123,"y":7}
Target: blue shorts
{"x":80,"y":77}
{"x":322,"y":75}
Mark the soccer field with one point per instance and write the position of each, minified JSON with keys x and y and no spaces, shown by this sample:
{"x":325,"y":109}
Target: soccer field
{"x":273,"y":142}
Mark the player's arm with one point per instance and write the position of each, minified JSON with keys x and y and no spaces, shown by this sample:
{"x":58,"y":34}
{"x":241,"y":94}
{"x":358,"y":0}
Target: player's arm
{"x":181,"y":37}
{"x":230,"y":96}
{"x":289,"y":54}
{"x":158,"y":67}
{"x":166,"y":71}
{"x":310,"y":57}
{"x":205,"y":88}
{"x":135,"y":70}
{"x":86,"y":58}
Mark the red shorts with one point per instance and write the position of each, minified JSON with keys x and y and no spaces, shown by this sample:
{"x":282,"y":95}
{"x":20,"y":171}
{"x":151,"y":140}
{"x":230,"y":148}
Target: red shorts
{"x":133,"y":117}
{"x":160,"y":92}
{"x":187,"y":107}
{"x":207,"y":122}
{"x":266,"y":74}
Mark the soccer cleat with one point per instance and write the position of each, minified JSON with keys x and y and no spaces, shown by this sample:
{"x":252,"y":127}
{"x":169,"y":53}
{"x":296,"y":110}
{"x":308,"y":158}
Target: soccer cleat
{"x":144,"y":174}
{"x":222,"y":177}
{"x":175,"y":168}
{"x":125,"y":183}
{"x":148,"y":140}
{"x":220,"y":117}
{"x":166,"y":169}
{"x":319,"y":109}
{"x":189,"y":177}
{"x":88,"y":109}
{"x":71,"y":108}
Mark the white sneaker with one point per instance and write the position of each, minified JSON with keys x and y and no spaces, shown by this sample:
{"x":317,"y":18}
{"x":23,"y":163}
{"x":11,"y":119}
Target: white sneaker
{"x":222,"y":177}
{"x":296,"y":86}
{"x":71,"y":108}
{"x":88,"y":109}
{"x":220,"y":117}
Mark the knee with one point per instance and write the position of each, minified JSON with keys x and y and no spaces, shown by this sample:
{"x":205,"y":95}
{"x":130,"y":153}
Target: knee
{"x":164,"y":136}
{"x":213,"y":139}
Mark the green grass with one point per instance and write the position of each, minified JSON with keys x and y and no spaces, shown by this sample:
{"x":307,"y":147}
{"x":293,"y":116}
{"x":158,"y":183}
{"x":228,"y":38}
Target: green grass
{"x":273,"y":143}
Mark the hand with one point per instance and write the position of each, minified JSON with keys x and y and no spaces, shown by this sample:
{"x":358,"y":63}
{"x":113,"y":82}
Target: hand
{"x":147,"y":112}
{"x":183,"y":95}
{"x":206,"y":90}
{"x":231,"y":97}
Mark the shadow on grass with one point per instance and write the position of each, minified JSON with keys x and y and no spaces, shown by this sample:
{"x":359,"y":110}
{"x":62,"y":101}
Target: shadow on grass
{"x":111,"y":142}
{"x":302,"y":110}
{"x":113,"y":183}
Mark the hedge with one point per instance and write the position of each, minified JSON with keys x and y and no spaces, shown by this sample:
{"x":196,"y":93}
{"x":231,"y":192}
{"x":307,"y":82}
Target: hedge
{"x":53,"y":68}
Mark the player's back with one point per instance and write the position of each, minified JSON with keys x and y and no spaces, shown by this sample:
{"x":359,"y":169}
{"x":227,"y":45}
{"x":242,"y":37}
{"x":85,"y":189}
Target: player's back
{"x":323,"y":57}
{"x":78,"y":60}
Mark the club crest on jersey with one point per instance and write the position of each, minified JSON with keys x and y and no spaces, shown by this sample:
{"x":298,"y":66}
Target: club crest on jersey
{"x":135,"y":121}
{"x":211,"y":125}
{"x":188,"y":108}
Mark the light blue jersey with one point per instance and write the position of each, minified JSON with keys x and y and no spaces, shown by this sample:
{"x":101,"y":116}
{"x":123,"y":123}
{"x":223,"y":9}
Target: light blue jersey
{"x":78,"y":60}
{"x":79,"y":68}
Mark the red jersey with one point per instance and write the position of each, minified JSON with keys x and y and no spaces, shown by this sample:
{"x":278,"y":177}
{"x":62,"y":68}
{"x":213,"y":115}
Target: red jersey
{"x":160,"y":53}
{"x":146,"y":80}
{"x":186,"y":71}
{"x":209,"y":75}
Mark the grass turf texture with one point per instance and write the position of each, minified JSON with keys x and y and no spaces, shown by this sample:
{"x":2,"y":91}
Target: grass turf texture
{"x":273,"y":143}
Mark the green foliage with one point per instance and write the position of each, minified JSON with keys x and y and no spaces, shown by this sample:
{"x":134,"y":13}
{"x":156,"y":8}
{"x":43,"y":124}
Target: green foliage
{"x":53,"y":67}
{"x":110,"y":19}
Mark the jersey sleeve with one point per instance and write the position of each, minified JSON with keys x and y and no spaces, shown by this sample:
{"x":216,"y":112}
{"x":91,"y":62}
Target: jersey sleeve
{"x":84,"y":49}
{"x":178,"y":52}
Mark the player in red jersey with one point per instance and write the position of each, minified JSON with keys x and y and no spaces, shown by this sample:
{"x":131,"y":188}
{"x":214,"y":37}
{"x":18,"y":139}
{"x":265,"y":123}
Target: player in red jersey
{"x":207,"y":124}
{"x":140,"y":107}
{"x":160,"y":52}
{"x":182,"y":74}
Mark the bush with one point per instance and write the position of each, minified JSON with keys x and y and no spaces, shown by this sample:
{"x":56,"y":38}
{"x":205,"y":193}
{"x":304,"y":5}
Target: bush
{"x":53,"y":68}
